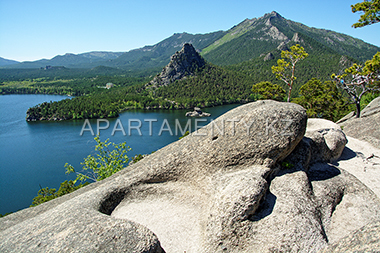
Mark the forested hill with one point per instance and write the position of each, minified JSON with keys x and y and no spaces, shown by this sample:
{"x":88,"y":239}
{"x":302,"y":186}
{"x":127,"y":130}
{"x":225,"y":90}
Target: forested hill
{"x":69,"y":60}
{"x":5,"y":62}
{"x":321,"y":63}
{"x":254,"y":37}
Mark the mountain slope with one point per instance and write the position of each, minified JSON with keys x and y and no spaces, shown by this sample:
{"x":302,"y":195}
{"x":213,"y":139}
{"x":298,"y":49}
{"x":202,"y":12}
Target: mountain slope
{"x":158,"y":55}
{"x":5,"y":62}
{"x":339,"y":42}
{"x":148,"y":57}
{"x":251,"y":38}
{"x":84,"y":60}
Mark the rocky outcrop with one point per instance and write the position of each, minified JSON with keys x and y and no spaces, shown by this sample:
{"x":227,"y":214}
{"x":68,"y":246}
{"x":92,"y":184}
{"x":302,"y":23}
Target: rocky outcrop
{"x":366,"y":127}
{"x":239,"y":184}
{"x":297,"y":39}
{"x":182,"y":64}
{"x":197,"y":113}
{"x":283,"y":47}
{"x":269,"y":57}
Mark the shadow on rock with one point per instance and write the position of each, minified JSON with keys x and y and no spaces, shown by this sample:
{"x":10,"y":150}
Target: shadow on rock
{"x":266,"y":207}
{"x":322,"y":172}
{"x":347,"y":154}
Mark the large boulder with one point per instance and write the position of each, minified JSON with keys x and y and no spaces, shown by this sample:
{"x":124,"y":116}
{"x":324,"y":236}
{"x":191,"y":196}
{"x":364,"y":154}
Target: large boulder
{"x":223,"y":188}
{"x":186,"y":175}
{"x":324,"y":141}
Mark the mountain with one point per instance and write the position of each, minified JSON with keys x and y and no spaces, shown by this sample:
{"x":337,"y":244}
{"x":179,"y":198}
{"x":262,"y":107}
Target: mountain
{"x":158,"y":55}
{"x":253,"y":37}
{"x":83,"y":60}
{"x":5,"y":62}
{"x":148,"y":57}
{"x":250,"y":39}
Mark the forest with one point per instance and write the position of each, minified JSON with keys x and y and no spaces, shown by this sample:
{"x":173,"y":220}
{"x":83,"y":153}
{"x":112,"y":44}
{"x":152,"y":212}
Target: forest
{"x":210,"y":86}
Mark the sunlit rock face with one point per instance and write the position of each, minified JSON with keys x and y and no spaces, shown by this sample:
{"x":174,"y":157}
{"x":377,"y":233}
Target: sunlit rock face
{"x":250,"y":181}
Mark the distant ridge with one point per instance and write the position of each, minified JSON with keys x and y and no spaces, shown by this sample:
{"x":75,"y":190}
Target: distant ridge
{"x":83,"y":60}
{"x":247,"y":40}
{"x":5,"y":62}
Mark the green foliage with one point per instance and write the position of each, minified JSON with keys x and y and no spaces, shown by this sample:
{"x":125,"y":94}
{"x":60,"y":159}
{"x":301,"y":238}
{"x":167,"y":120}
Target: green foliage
{"x":46,"y":194}
{"x":3,"y":215}
{"x":287,"y":165}
{"x":320,"y":67}
{"x":101,"y":166}
{"x":367,"y":98}
{"x":183,"y":136}
{"x":358,"y":80}
{"x":137,"y":158}
{"x":322,"y":100}
{"x":211,"y":86}
{"x":371,"y":12}
{"x":73,"y":87}
{"x":268,"y":90}
{"x":106,"y":162}
{"x":286,"y":66}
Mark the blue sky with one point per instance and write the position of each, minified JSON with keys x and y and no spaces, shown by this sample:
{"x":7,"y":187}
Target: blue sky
{"x":32,"y":30}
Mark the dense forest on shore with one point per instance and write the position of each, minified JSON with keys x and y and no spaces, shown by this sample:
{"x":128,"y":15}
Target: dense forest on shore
{"x":210,"y":86}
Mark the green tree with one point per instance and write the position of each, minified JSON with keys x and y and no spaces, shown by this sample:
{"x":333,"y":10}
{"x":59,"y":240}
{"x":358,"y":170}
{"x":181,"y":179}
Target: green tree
{"x":46,"y":194}
{"x":371,"y":12}
{"x":286,"y":66}
{"x":184,"y":135}
{"x":106,"y":163}
{"x":268,"y":90}
{"x":358,"y":80}
{"x":322,"y":100}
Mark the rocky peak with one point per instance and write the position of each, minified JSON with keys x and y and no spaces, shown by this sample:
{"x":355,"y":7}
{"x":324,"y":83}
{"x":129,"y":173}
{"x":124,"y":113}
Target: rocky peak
{"x":273,"y":14}
{"x":182,"y":64}
{"x":270,"y":16}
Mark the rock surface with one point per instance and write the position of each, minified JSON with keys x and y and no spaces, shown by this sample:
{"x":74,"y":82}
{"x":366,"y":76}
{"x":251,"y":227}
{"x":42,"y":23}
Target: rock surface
{"x":366,"y":239}
{"x":223,"y":188}
{"x":182,"y":64}
{"x":197,"y":113}
{"x":269,"y":57}
{"x":367,"y":127}
{"x":362,"y":161}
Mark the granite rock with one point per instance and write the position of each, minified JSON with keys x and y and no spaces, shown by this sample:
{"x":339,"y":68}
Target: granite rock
{"x":223,"y":188}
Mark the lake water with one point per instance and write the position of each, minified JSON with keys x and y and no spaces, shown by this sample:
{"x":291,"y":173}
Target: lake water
{"x":33,"y":154}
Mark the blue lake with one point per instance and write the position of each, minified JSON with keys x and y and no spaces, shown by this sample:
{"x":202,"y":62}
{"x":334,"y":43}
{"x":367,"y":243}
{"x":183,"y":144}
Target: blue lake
{"x":33,"y":154}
